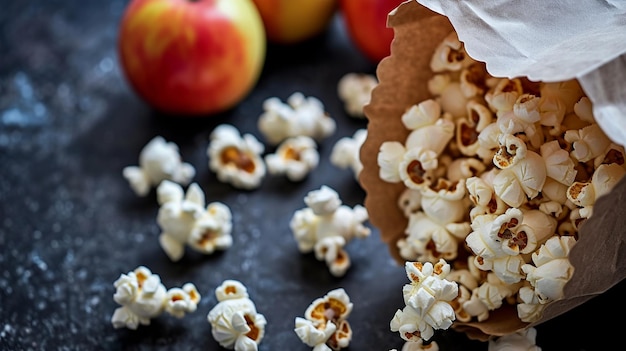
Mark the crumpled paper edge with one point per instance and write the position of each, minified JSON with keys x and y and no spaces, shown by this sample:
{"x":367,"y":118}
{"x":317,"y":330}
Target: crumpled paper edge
{"x":599,"y":257}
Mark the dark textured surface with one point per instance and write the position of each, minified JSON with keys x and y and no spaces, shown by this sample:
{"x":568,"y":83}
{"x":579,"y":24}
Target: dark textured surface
{"x":70,"y":225}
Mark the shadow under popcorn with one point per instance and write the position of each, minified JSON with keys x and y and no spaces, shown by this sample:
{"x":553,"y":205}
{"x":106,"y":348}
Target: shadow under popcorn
{"x":403,"y":76}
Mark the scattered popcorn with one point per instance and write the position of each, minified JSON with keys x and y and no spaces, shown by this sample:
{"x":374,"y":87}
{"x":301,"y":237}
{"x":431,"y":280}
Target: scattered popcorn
{"x":521,"y":341}
{"x":184,"y":220}
{"x":325,"y":326}
{"x":299,"y":116}
{"x":346,"y":152}
{"x":326,"y":226}
{"x":159,"y":160}
{"x":427,"y":300}
{"x":236,"y":159}
{"x":355,"y":90}
{"x":295,"y":157}
{"x":503,"y":169}
{"x":235,"y":322}
{"x":143,"y":297}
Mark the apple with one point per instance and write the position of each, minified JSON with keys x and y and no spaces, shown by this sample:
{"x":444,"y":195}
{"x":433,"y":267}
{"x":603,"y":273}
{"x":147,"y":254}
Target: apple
{"x":366,"y":23}
{"x":294,"y":21}
{"x":192,"y":57}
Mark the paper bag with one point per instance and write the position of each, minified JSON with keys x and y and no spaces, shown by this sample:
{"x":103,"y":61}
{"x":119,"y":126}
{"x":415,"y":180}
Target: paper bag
{"x":599,"y":257}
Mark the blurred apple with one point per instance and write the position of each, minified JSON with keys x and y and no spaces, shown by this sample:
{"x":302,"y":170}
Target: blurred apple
{"x":192,"y":57}
{"x":293,"y":21}
{"x":366,"y":23}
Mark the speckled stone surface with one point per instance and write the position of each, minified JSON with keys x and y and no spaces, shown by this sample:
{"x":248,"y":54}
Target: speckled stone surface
{"x":70,"y":224}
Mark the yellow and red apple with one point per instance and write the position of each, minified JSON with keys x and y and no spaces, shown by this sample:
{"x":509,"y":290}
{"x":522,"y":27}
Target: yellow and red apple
{"x":366,"y":23}
{"x":192,"y":57}
{"x":294,"y":21}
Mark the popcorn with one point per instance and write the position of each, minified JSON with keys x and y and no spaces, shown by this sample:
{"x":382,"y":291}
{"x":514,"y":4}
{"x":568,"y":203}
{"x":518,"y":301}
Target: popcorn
{"x":588,"y":142}
{"x":551,"y":269}
{"x":436,"y":230}
{"x":325,"y":326}
{"x":427,"y":300}
{"x":184,"y":220}
{"x":143,"y":297}
{"x":326,"y":226}
{"x":235,"y":322}
{"x":159,"y":160}
{"x":585,"y":194}
{"x":523,"y":340}
{"x":539,"y":148}
{"x":300,"y":116}
{"x":450,"y":55}
{"x":294,"y":157}
{"x":354,"y":90}
{"x":346,"y":152}
{"x":236,"y":159}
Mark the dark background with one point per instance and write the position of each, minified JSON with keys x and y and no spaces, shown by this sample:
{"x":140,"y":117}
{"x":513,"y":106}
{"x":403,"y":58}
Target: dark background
{"x":70,"y":224}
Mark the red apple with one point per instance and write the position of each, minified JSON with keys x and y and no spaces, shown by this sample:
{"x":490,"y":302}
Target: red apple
{"x":293,"y":21}
{"x":366,"y":23}
{"x":192,"y":57}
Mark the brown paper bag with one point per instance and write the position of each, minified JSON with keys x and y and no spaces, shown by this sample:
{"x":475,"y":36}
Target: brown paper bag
{"x":599,"y":257}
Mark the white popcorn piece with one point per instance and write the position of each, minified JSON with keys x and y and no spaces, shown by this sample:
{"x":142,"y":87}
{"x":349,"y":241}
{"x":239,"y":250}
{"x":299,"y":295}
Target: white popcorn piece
{"x":235,"y":322}
{"x":355,"y":90}
{"x":416,"y":166}
{"x":427,"y":240}
{"x":326,"y":226}
{"x":464,"y":168}
{"x":521,"y":182}
{"x":523,"y":340}
{"x":186,"y":221}
{"x":346,"y":152}
{"x":181,"y":301}
{"x":436,"y":230}
{"x":497,"y":242}
{"x":504,"y":94}
{"x":604,"y":179}
{"x":613,"y":154}
{"x":473,"y":80}
{"x":429,"y":130}
{"x":143,"y":297}
{"x":488,"y":143}
{"x":427,"y":300}
{"x":295,"y":157}
{"x":444,"y":201}
{"x":158,"y":160}
{"x":325,"y":326}
{"x":390,"y":155}
{"x":583,"y":108}
{"x":529,"y":309}
{"x":314,"y":336}
{"x":483,"y":197}
{"x":450,"y":55}
{"x":587,"y":143}
{"x":236,"y":159}
{"x":523,"y":116}
{"x":512,"y":150}
{"x":559,"y":99}
{"x":551,"y":269}
{"x":559,"y":166}
{"x":468,"y":128}
{"x":299,"y":116}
